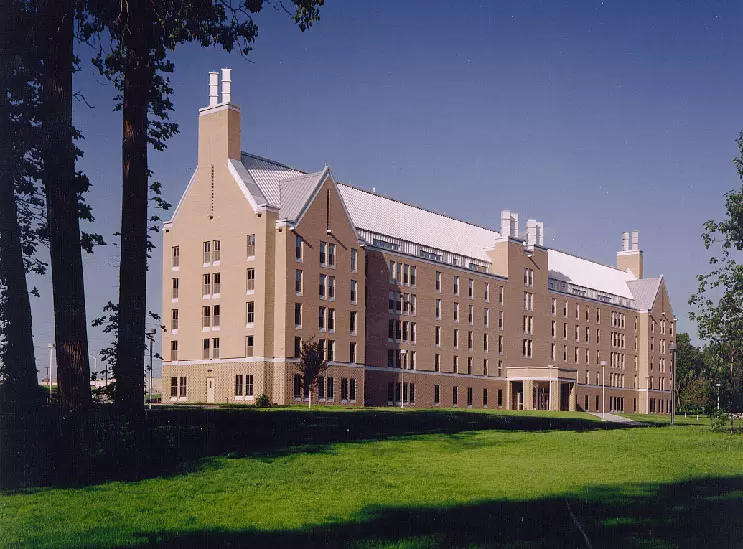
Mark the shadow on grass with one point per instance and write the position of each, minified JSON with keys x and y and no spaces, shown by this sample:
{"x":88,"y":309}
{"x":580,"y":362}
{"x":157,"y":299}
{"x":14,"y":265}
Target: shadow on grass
{"x":697,"y":513}
{"x":176,"y":440}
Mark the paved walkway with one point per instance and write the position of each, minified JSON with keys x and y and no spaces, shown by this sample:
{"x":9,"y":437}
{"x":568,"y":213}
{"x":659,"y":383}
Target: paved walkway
{"x":619,"y":419}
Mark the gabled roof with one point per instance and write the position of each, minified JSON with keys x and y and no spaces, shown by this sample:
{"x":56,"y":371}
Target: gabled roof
{"x":268,"y":176}
{"x":296,"y":193}
{"x":645,"y":291}
{"x":377,"y":213}
{"x":589,"y":274}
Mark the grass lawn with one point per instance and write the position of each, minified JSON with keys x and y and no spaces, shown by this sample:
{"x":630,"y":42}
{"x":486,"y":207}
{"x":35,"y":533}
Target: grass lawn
{"x":640,"y":487}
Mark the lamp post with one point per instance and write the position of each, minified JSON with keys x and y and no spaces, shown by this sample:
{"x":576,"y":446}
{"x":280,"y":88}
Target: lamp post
{"x":603,"y":390}
{"x":151,"y":336}
{"x":718,"y":395}
{"x":672,"y":347}
{"x":95,"y":363}
{"x":403,"y":356}
{"x":51,"y":363}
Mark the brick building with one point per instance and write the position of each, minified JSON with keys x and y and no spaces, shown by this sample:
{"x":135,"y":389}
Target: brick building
{"x":412,"y":307}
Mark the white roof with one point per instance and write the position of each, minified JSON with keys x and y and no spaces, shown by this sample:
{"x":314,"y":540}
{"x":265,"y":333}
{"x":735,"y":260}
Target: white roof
{"x":380,"y":214}
{"x":589,"y":274}
{"x":268,"y":176}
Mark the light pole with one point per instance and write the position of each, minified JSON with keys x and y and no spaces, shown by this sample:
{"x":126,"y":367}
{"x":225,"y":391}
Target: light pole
{"x":51,"y":363}
{"x":603,"y":390}
{"x":403,"y":356}
{"x":718,"y":395}
{"x":95,"y":363}
{"x":151,"y":336}
{"x":672,"y":347}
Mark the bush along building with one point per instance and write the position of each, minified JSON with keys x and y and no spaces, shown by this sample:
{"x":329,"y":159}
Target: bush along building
{"x":412,"y":307}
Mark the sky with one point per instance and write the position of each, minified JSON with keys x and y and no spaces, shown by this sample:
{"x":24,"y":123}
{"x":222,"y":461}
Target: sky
{"x":595,"y":117}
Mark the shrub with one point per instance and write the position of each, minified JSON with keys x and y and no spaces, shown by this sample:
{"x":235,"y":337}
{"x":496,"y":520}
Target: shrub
{"x":720,"y":421}
{"x":262,"y":401}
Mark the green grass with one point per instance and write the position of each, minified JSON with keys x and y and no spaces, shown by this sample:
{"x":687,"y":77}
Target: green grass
{"x":493,"y":488}
{"x":666,"y":420}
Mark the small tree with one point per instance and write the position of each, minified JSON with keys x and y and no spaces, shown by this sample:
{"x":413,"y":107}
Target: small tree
{"x":312,"y":363}
{"x":719,"y":297}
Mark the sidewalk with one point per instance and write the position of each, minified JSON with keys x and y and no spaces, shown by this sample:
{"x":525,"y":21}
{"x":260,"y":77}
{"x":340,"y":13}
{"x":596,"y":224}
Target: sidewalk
{"x":619,"y":419}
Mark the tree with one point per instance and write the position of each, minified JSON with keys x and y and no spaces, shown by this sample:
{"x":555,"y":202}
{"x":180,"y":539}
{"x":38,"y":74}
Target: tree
{"x":143,"y":33}
{"x":719,"y":297}
{"x":311,"y":364}
{"x":692,"y":376}
{"x":64,"y":186}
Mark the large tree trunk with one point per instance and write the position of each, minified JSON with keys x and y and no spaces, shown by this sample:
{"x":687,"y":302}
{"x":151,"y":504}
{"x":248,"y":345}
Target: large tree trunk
{"x":60,"y":183}
{"x":133,"y":269}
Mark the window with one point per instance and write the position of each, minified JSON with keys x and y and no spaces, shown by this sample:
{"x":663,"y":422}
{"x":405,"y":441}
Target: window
{"x":456,"y":338}
{"x":528,"y":301}
{"x":528,"y":277}
{"x":173,"y":350}
{"x":344,"y":389}
{"x":250,"y":313}
{"x":250,"y":280}
{"x":205,"y":348}
{"x":174,"y":387}
{"x":500,"y":295}
{"x":249,"y":385}
{"x":487,"y":292}
{"x":174,"y":320}
{"x":331,"y":350}
{"x":437,"y":339}
{"x":500,"y":345}
{"x":206,"y":320}
{"x":405,"y":270}
{"x":471,"y":314}
{"x":469,"y":365}
{"x":436,"y":395}
{"x":456,"y":285}
{"x":297,"y":281}
{"x":454,"y":395}
{"x":469,"y":340}
{"x":469,"y":397}
{"x":500,"y":368}
{"x":527,"y":348}
{"x":500,"y":398}
{"x":297,"y":346}
{"x":321,"y":287}
{"x":321,"y":318}
{"x":331,"y":320}
{"x":352,"y":390}
{"x":485,"y":342}
{"x":217,"y":284}
{"x":485,"y":366}
{"x":216,"y":316}
{"x":216,"y":251}
{"x":354,"y":291}
{"x":297,"y":387}
{"x":412,"y":279}
{"x":175,"y":257}
{"x":500,"y":320}
{"x":251,"y":246}
{"x":331,"y":255}
{"x":436,"y":362}
{"x":175,"y":289}
{"x":455,"y":364}
{"x":354,"y":260}
{"x":554,"y":328}
{"x":207,"y":246}
{"x":485,"y":317}
{"x":470,"y":288}
{"x":577,"y":311}
{"x":352,"y":352}
{"x":298,"y":248}
{"x":249,"y":345}
{"x":331,"y":389}
{"x":331,"y":288}
{"x":438,"y":281}
{"x":438,"y":309}
{"x":215,"y":347}
{"x":588,"y":334}
{"x":323,"y":247}
{"x":598,"y":315}
{"x":206,"y":286}
{"x":182,"y":386}
{"x":553,"y":351}
{"x":554,"y":306}
{"x":298,"y":315}
{"x":353,"y":323}
{"x":456,"y":312}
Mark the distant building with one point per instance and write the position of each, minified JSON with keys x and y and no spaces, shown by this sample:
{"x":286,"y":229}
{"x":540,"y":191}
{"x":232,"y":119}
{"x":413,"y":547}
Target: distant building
{"x":409,"y":304}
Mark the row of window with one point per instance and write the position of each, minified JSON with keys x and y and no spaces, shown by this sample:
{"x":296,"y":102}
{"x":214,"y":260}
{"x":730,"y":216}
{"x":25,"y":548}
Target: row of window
{"x":327,"y":349}
{"x":401,"y":303}
{"x":210,"y":348}
{"x":325,"y":389}
{"x":470,"y":288}
{"x":398,"y":392}
{"x":470,"y":340}
{"x":402,"y":273}
{"x":401,"y":330}
{"x":470,"y":314}
{"x":405,"y":359}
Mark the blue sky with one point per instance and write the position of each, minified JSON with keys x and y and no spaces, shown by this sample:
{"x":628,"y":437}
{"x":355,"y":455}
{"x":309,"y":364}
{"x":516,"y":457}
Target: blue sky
{"x":594,"y":117}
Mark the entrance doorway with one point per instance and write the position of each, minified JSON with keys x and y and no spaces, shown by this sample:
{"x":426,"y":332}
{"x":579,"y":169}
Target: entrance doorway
{"x":210,"y":389}
{"x":517,"y":395}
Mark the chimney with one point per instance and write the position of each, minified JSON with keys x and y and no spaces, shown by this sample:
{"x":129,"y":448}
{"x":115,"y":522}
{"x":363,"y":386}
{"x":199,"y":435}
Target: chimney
{"x":629,"y":258}
{"x":534,"y":233}
{"x":219,"y":124}
{"x":509,"y":224}
{"x":226,"y":85}
{"x":213,"y":88}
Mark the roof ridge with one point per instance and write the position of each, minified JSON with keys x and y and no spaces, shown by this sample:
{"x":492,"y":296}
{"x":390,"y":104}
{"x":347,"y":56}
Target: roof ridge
{"x":417,"y":207}
{"x":279,"y":164}
{"x":594,"y":261}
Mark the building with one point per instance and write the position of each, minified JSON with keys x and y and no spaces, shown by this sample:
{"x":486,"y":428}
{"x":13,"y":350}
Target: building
{"x":410,"y":305}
